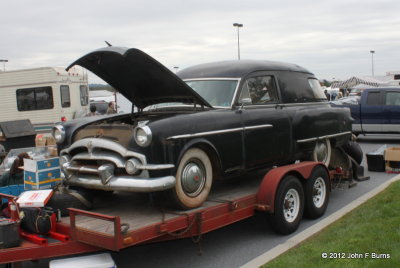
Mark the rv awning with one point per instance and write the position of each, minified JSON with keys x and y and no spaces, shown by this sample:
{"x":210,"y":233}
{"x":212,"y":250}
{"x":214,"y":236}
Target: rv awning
{"x":353,"y":81}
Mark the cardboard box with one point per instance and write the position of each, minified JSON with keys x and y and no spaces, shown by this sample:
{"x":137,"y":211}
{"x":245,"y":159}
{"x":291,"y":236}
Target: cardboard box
{"x":44,"y":140}
{"x":35,"y":165}
{"x":38,"y":198}
{"x":392,"y":160}
{"x":41,"y":173}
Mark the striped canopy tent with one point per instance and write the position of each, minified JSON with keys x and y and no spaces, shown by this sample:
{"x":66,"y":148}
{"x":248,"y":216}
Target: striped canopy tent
{"x":353,"y":81}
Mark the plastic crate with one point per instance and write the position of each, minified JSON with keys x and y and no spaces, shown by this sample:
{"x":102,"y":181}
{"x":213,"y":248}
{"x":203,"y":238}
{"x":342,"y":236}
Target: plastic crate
{"x":12,"y":190}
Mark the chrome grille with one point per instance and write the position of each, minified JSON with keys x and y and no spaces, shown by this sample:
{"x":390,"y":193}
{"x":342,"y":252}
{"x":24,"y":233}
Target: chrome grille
{"x":90,"y":154}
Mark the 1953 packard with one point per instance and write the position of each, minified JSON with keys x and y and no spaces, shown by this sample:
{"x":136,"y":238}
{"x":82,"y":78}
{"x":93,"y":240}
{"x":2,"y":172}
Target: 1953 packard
{"x":209,"y":121}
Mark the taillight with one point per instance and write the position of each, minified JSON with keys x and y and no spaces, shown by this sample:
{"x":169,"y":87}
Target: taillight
{"x":63,"y":119}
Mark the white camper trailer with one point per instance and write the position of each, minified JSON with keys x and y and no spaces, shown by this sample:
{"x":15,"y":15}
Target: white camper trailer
{"x":44,"y":95}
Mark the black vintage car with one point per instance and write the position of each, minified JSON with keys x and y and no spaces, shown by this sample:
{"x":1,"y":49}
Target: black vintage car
{"x":208,"y":121}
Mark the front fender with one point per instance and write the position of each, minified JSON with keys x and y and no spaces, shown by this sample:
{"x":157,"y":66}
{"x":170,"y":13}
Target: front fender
{"x":202,"y":144}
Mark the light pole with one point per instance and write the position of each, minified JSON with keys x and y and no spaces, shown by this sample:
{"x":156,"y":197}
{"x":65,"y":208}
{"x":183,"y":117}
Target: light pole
{"x":4,"y":64}
{"x":238,"y":25}
{"x":372,"y":54}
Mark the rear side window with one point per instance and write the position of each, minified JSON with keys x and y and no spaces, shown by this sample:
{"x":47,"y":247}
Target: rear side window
{"x":39,"y":98}
{"x":393,"y":98}
{"x":374,"y":98}
{"x":84,"y":95}
{"x":65,"y":97}
{"x":297,"y":87}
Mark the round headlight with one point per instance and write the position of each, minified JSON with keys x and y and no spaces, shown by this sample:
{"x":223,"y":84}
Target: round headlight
{"x":58,"y":132}
{"x":143,"y":136}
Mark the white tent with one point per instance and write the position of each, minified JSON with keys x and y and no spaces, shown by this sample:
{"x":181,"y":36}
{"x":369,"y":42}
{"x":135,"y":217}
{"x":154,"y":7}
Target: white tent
{"x":354,"y":81}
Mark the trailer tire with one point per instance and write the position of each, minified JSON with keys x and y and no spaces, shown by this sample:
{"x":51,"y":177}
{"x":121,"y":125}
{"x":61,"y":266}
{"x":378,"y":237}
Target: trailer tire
{"x":316,"y":192}
{"x":353,"y":149}
{"x":289,"y":206}
{"x":194,"y":178}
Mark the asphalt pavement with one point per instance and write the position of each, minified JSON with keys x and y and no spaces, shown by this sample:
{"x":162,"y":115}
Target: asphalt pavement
{"x":240,"y":243}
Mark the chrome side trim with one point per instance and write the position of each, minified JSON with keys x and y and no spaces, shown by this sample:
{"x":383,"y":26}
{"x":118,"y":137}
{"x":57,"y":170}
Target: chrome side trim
{"x":258,"y":127}
{"x":214,"y":132}
{"x":324,"y":137}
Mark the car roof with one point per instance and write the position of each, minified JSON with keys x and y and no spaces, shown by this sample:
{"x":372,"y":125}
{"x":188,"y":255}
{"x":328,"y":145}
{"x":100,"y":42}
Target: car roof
{"x":236,"y":69}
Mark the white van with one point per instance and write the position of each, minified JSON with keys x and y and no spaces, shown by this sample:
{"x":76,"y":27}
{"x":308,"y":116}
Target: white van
{"x":44,"y":95}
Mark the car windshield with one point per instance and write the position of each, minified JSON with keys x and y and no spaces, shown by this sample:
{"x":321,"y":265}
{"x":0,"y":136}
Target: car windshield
{"x":218,"y":93}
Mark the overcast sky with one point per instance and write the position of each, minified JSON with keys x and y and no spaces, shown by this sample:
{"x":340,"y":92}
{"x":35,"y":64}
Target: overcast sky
{"x":333,"y":39}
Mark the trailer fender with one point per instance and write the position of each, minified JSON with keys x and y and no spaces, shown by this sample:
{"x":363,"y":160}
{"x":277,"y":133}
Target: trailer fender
{"x":270,"y":183}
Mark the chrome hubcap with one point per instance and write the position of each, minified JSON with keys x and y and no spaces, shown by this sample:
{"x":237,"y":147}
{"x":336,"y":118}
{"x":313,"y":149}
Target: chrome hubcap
{"x":291,"y":205}
{"x":319,"y":192}
{"x":193,"y":177}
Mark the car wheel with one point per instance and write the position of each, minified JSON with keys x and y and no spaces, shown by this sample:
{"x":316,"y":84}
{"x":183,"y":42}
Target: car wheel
{"x":322,"y":152}
{"x":194,"y":178}
{"x":353,"y":149}
{"x":289,"y":206}
{"x":316,"y":193}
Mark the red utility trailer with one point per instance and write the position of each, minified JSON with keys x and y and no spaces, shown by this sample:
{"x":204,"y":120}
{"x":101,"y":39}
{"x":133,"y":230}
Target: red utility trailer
{"x":122,"y":220}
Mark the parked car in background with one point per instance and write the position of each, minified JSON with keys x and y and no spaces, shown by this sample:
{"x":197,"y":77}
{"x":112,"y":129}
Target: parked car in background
{"x":207,"y":122}
{"x":377,"y":110}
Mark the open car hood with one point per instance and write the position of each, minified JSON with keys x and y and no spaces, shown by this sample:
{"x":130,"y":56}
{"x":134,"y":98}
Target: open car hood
{"x":139,"y":77}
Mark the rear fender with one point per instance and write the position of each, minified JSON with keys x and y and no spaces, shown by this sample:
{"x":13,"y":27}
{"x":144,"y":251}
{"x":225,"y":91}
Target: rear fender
{"x":270,"y":183}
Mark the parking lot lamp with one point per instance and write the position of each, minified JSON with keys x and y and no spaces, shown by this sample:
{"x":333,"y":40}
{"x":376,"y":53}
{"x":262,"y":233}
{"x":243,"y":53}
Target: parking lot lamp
{"x":238,"y":25}
{"x":4,"y":64}
{"x":372,"y":54}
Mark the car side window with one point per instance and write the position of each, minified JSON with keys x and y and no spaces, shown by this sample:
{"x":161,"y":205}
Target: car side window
{"x":258,"y":90}
{"x":392,"y":98}
{"x":373,"y":98}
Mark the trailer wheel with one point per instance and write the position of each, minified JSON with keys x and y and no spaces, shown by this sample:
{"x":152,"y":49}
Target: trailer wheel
{"x":316,"y":193}
{"x":322,"y":152}
{"x":194,"y":178}
{"x":289,"y":206}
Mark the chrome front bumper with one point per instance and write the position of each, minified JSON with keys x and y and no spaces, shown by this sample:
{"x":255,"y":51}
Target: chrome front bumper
{"x":111,"y":155}
{"x":123,"y":183}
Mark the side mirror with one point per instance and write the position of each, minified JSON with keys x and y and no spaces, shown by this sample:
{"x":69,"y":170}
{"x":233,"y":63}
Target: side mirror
{"x":245,"y":101}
